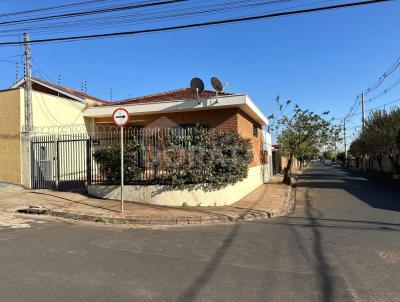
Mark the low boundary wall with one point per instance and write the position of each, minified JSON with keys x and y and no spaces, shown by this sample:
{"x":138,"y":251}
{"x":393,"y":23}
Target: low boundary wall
{"x":164,"y":195}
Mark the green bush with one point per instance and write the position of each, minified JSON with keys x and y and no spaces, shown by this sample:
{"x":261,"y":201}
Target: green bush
{"x":211,"y":158}
{"x":109,"y":160}
{"x":193,"y":157}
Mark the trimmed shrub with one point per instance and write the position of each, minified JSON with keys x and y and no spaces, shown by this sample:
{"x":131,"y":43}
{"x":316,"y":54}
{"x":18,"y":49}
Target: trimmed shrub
{"x":109,"y":160}
{"x":211,"y":158}
{"x":197,"y":156}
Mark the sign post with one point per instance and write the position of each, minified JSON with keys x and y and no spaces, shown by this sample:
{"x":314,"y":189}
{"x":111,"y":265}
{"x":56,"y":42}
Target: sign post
{"x":120,"y":118}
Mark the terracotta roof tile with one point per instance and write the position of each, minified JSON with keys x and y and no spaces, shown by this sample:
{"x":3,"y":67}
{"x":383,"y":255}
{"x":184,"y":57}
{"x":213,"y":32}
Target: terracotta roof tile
{"x":168,"y":96}
{"x":70,"y":90}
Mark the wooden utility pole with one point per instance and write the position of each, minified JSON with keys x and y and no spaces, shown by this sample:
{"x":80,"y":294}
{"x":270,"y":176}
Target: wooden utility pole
{"x":28,"y":85}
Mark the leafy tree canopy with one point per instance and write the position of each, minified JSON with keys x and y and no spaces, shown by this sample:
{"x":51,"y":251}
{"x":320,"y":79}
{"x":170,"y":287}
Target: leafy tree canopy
{"x":300,"y":132}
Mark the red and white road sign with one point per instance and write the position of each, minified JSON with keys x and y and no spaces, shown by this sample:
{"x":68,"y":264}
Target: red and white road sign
{"x":120,"y":117}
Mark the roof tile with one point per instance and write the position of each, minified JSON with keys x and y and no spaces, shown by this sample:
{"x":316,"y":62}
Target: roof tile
{"x":168,"y":96}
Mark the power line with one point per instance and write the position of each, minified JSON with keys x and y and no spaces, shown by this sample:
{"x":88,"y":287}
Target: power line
{"x":50,"y":8}
{"x":91,"y":12}
{"x":384,"y":76}
{"x":152,"y":15}
{"x":389,"y":88}
{"x":369,"y":110}
{"x":194,"y":25}
{"x":384,"y":105}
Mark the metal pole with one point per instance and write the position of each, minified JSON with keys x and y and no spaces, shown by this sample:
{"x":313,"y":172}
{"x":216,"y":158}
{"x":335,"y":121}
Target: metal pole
{"x":28,"y":85}
{"x":122,"y":169}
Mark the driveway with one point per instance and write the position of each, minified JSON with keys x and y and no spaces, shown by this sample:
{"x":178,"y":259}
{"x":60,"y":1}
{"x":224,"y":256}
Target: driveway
{"x":342,"y":243}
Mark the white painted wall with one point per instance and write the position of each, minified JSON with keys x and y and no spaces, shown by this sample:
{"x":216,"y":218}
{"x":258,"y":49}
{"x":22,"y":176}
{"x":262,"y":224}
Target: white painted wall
{"x":53,"y":111}
{"x":162,"y":195}
{"x":267,"y":146}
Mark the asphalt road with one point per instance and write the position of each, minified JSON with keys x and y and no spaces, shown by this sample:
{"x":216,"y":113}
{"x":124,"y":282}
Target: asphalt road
{"x":341,"y":244}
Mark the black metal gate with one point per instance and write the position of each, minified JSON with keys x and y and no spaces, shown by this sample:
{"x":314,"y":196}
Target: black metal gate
{"x":60,"y":162}
{"x":66,"y":161}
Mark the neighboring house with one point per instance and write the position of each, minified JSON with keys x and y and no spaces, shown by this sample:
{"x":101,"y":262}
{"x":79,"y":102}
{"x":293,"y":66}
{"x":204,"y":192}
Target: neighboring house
{"x":53,"y":107}
{"x":56,"y":107}
{"x":279,"y":161}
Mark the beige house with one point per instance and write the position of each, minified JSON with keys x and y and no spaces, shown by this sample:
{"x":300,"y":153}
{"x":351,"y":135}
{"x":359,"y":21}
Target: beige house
{"x":54,"y":107}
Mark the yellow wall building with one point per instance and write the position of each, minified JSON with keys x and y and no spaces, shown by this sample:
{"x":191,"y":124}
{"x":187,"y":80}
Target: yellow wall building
{"x":55,"y":109}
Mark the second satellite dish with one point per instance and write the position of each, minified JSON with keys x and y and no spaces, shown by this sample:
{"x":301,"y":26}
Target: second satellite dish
{"x":216,"y":84}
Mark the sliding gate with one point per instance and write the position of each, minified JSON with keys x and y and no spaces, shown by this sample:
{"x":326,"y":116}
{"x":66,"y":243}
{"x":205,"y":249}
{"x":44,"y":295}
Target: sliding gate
{"x":59,"y":162}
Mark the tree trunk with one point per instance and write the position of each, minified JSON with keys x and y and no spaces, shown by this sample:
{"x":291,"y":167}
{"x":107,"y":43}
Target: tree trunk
{"x":392,"y":164}
{"x":379,"y":158}
{"x":396,"y":163}
{"x":287,"y":171}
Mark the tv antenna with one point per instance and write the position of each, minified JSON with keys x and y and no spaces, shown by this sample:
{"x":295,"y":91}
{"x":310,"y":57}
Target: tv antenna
{"x":197,"y":86}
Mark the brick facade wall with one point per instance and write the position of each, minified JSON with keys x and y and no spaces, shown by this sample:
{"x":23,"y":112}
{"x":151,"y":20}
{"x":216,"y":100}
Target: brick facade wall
{"x":245,"y":129}
{"x":231,"y":119}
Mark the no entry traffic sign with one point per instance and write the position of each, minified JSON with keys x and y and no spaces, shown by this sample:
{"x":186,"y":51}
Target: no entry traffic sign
{"x":120,"y":117}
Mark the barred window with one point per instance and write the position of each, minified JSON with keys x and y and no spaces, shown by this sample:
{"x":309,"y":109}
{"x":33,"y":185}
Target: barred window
{"x":255,"y":130}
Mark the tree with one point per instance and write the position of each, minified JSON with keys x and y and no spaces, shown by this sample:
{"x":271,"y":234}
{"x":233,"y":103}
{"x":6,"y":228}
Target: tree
{"x":298,"y":130}
{"x":341,"y":156}
{"x":380,"y":139}
{"x":328,"y":154}
{"x":334,"y":139}
{"x":306,"y":152}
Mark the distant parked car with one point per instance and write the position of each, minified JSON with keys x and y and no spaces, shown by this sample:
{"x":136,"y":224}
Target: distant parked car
{"x":328,"y":162}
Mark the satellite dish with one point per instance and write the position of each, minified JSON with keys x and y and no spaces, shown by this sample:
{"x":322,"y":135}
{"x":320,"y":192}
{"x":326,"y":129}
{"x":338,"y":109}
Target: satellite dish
{"x":216,"y":84}
{"x":197,"y":86}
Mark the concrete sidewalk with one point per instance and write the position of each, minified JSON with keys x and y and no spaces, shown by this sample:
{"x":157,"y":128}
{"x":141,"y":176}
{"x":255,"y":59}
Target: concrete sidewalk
{"x":268,"y":200}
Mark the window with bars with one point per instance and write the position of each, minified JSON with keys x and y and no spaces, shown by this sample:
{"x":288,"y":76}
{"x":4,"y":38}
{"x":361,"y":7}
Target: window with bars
{"x":255,"y":130}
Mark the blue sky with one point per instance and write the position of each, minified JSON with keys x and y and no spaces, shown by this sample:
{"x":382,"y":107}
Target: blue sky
{"x":319,"y":60}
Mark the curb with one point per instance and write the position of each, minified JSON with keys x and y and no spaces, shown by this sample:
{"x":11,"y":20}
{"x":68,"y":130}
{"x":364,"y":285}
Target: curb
{"x":290,"y":200}
{"x":126,"y":219}
{"x":138,"y":220}
{"x":287,"y":208}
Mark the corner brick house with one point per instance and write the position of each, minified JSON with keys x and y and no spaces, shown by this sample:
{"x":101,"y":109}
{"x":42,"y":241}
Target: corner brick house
{"x":182,"y":107}
{"x":230,"y":112}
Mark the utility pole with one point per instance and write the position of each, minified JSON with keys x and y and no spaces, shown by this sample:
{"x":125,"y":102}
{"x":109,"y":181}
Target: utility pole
{"x":28,"y":85}
{"x":344,"y":139}
{"x":16,"y":72}
{"x":363,"y":127}
{"x":363,"y":110}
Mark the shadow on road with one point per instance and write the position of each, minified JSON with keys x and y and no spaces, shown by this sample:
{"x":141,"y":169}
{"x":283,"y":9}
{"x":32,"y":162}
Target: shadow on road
{"x":322,"y":268}
{"x":205,"y":276}
{"x":207,"y":273}
{"x":375,"y":192}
